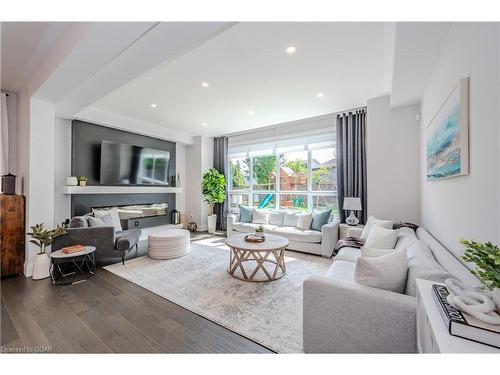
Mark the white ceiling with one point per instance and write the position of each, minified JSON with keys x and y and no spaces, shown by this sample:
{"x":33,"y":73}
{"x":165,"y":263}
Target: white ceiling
{"x":24,"y":45}
{"x":248,"y":69}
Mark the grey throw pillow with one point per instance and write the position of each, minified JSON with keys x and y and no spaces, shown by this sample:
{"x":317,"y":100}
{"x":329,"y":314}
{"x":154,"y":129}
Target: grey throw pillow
{"x":246,"y":214}
{"x":103,"y":221}
{"x":79,"y":222}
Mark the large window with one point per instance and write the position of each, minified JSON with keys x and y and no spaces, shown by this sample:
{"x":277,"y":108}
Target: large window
{"x":297,"y":175}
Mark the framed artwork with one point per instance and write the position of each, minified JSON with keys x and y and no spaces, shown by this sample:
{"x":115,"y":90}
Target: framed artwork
{"x":447,"y":136}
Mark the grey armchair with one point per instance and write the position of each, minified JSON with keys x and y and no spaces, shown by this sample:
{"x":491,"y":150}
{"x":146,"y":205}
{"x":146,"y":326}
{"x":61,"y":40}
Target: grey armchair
{"x":108,"y":244}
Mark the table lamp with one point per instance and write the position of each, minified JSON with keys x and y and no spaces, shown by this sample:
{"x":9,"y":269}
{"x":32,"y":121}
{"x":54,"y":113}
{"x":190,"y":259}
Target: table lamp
{"x":352,"y":204}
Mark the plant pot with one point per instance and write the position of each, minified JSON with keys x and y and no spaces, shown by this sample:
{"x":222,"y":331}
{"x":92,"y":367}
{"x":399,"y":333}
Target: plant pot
{"x":41,"y":266}
{"x":496,"y":298}
{"x":212,"y":220}
{"x":83,"y":183}
{"x":259,"y":234}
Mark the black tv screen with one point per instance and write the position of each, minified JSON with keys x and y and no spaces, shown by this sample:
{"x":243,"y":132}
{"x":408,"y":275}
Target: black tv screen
{"x":123,"y":164}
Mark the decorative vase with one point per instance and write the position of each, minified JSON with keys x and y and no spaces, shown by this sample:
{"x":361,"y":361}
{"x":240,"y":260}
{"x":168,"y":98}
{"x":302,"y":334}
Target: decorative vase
{"x":71,"y":181}
{"x":259,"y":234}
{"x":83,"y":183}
{"x":496,"y":298}
{"x":212,"y":220}
{"x":41,"y":266}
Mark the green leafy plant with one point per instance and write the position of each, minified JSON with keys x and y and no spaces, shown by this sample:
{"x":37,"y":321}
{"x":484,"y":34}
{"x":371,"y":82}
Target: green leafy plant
{"x":82,"y":178}
{"x":213,"y":188}
{"x":259,"y":229}
{"x":486,"y":257}
{"x":43,"y":238}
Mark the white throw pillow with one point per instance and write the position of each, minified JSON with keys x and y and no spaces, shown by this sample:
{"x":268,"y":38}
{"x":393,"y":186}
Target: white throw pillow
{"x":304,"y":221}
{"x":370,"y":252}
{"x":381,"y":238}
{"x":386,"y":272}
{"x":101,"y":221}
{"x":276,"y":218}
{"x":291,"y":219}
{"x":114,"y":217}
{"x":372,"y":220}
{"x":259,"y":216}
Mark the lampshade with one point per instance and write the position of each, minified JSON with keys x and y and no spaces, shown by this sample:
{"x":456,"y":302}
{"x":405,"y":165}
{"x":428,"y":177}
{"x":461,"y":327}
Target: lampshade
{"x":353,"y":204}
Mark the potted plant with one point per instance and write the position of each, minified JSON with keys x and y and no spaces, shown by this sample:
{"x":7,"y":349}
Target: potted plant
{"x":43,"y":238}
{"x":259,"y":231}
{"x":82,"y":181}
{"x":213,"y":188}
{"x":486,"y":257}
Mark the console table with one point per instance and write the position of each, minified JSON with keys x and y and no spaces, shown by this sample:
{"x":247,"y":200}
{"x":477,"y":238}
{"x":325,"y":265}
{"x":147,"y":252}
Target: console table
{"x":432,"y":334}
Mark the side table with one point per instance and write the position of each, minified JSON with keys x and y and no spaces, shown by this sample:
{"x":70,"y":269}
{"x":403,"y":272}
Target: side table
{"x":72,"y":268}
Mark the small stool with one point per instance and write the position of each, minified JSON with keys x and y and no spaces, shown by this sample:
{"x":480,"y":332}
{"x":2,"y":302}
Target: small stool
{"x":169,"y":243}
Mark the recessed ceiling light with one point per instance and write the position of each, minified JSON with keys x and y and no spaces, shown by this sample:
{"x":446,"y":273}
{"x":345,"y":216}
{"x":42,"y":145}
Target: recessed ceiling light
{"x":251,"y":112}
{"x":203,"y":124}
{"x":153,"y":105}
{"x":320,"y":95}
{"x":291,"y":49}
{"x":204,"y":84}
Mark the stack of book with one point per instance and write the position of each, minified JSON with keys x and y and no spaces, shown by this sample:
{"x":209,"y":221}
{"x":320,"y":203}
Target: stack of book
{"x":73,"y":249}
{"x":463,"y":325}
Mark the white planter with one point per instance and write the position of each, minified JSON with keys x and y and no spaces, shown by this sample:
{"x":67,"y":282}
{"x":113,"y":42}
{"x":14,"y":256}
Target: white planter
{"x":212,"y":220}
{"x":259,"y":234}
{"x":41,"y":266}
{"x":496,"y":298}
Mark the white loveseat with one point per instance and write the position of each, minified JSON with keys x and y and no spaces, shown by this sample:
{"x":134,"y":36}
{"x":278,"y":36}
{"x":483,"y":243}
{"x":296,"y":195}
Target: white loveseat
{"x":307,"y":241}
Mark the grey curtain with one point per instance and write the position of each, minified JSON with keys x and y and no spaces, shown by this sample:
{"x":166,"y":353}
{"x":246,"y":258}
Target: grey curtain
{"x":221,"y":164}
{"x":351,"y":160}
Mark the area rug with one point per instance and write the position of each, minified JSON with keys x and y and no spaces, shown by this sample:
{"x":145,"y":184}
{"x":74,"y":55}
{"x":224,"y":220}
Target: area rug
{"x":269,"y":313}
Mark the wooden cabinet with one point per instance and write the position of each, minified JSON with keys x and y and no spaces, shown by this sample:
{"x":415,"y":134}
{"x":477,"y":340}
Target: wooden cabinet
{"x":12,"y":230}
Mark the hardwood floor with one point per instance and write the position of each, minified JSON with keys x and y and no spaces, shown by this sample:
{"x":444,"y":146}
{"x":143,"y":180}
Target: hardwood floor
{"x":106,"y":314}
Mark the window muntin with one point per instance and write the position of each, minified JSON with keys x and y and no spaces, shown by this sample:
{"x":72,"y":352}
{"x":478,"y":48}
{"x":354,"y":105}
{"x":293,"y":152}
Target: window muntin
{"x":298,"y":177}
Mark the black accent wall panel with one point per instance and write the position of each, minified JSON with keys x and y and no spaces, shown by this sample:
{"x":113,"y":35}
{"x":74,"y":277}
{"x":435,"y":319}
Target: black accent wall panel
{"x":85,"y":161}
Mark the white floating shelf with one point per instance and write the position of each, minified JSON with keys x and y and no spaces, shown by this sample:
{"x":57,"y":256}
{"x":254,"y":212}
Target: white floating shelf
{"x":120,"y":189}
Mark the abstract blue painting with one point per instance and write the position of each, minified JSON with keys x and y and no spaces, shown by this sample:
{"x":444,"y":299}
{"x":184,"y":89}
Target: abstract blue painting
{"x":447,"y":137}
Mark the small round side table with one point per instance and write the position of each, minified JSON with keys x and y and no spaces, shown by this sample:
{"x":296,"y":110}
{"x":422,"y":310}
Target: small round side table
{"x":72,"y":268}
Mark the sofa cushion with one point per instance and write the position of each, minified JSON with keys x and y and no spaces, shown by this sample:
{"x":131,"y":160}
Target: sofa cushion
{"x":422,"y":265}
{"x":373,"y":220}
{"x":295,"y":234}
{"x":250,"y":227}
{"x":370,"y":252}
{"x":102,"y":221}
{"x":127,"y":238}
{"x":245,"y":214}
{"x":341,"y":270}
{"x":304,"y":221}
{"x":79,"y":222}
{"x":381,"y":238}
{"x":259,"y":216}
{"x":386,"y":272}
{"x":276,"y":218}
{"x":320,"y":219}
{"x":114,"y":217}
{"x":291,"y":219}
{"x":349,"y":254}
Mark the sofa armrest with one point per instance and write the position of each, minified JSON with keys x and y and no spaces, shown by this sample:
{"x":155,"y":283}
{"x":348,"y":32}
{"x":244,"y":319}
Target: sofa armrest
{"x":329,"y":237}
{"x":346,"y":317}
{"x":103,"y":238}
{"x":231,"y":219}
{"x":354,"y":232}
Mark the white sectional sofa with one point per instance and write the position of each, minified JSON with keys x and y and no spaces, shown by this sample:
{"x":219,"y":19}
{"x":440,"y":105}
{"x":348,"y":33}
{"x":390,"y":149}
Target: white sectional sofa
{"x":308,"y":241}
{"x":343,"y":316}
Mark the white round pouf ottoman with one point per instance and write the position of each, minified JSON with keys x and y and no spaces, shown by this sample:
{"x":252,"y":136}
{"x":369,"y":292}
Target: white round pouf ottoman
{"x":168,"y":244}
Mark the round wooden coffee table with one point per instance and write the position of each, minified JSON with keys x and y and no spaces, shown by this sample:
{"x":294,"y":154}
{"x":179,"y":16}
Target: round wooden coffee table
{"x":247,"y":258}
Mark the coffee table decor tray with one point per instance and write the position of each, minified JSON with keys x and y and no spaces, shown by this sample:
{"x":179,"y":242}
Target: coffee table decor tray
{"x":251,"y":237}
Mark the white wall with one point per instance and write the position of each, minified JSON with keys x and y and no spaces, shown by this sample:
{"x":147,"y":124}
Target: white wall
{"x":12,"y":125}
{"x":199,"y":158}
{"x":62,"y":169}
{"x":40,"y":193}
{"x":180,"y":166}
{"x":468,"y":206}
{"x":392,"y":141}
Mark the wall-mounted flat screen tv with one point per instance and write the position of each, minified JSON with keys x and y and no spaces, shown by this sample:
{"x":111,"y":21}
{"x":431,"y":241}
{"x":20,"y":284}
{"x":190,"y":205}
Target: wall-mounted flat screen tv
{"x":124,"y":164}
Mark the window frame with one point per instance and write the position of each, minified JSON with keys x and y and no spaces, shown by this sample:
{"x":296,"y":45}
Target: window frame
{"x":250,"y":192}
